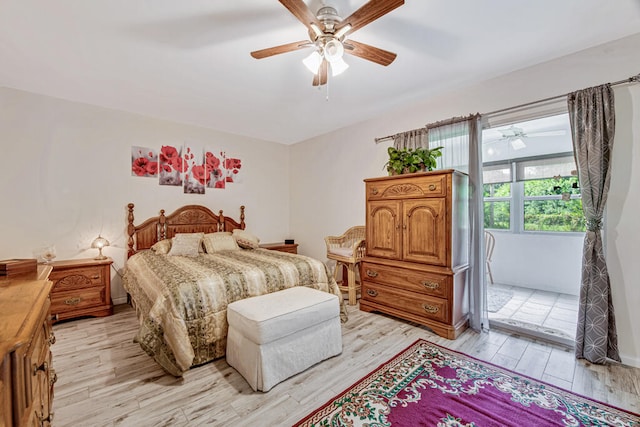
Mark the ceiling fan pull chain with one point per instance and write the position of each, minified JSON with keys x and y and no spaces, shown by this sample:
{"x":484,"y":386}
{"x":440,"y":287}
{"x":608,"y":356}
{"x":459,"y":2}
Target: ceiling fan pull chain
{"x":327,"y":97}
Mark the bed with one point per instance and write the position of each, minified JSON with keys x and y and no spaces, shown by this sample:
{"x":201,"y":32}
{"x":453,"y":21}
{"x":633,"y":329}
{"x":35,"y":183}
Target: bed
{"x":181,"y":301}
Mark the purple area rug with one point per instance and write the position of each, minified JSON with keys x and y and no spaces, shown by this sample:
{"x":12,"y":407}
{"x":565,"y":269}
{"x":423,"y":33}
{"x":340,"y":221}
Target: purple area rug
{"x":428,"y":385}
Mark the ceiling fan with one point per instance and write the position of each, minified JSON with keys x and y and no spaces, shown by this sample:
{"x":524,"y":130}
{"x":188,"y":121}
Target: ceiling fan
{"x":516,"y":135}
{"x":328,"y":36}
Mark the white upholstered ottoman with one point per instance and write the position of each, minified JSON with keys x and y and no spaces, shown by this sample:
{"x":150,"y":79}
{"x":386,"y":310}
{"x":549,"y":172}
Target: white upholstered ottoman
{"x":275,"y":336}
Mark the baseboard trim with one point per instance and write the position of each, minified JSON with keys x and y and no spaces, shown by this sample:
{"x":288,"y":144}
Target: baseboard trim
{"x":121,"y":300}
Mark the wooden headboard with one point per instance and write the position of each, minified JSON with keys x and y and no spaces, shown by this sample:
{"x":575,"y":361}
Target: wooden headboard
{"x":187,"y":219}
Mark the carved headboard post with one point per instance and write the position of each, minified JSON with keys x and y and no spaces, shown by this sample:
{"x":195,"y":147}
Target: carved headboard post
{"x":131,"y":229}
{"x":161,"y":225}
{"x":242,"y":225}
{"x":221,"y":221}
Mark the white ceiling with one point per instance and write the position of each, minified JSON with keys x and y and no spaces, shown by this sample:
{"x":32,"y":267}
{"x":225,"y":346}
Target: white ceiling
{"x":188,"y":60}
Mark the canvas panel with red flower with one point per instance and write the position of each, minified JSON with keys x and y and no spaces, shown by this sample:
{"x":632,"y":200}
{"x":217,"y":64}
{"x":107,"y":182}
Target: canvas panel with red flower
{"x":189,"y":166}
{"x":233,"y":166}
{"x":144,"y":161}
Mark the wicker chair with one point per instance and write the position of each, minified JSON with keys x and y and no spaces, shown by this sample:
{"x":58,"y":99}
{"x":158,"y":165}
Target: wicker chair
{"x":347,"y":250}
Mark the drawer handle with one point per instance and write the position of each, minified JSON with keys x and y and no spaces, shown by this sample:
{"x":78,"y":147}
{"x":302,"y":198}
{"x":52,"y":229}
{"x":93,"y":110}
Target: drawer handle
{"x":372,"y":292}
{"x":430,"y":285}
{"x":431,"y":309}
{"x":432,"y":187}
{"x":52,"y":338}
{"x":374,"y":191}
{"x":372,"y":273}
{"x":42,"y":368}
{"x":95,"y":277}
{"x":44,"y":420}
{"x":54,"y":317}
{"x":73,"y":301}
{"x":53,"y":376}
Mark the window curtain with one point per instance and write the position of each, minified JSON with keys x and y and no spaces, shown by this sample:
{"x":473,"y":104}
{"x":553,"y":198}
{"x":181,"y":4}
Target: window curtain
{"x":592,"y":118}
{"x":411,"y":139}
{"x":460,"y":139}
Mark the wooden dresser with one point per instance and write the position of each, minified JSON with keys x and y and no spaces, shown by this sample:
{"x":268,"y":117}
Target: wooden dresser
{"x":81,"y":287}
{"x":26,"y":372}
{"x":282,"y":247}
{"x":417,"y":245}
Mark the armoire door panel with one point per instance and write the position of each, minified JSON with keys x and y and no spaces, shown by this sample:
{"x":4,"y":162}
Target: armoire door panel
{"x":384,"y":229}
{"x":424,"y":231}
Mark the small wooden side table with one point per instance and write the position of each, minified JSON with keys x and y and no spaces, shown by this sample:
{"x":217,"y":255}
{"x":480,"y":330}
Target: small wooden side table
{"x":282,"y":247}
{"x":81,"y":287}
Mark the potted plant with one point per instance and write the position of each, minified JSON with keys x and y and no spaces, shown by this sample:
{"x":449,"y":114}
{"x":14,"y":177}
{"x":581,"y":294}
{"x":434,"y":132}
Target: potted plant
{"x":396,"y":163}
{"x":408,"y":160}
{"x":428,"y":157}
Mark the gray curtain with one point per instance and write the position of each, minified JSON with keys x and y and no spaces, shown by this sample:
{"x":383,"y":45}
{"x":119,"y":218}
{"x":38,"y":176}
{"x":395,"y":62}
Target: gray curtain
{"x":592,"y":117}
{"x":411,"y":139}
{"x":462,"y":150}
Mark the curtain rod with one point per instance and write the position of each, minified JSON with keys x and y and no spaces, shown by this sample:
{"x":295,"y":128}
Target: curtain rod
{"x":632,"y":79}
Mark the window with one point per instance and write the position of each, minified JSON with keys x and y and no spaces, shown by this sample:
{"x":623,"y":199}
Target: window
{"x":529,"y":174}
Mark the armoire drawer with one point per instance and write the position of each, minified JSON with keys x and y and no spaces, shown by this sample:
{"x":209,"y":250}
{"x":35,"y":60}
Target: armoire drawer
{"x":410,"y":302}
{"x":422,"y":282}
{"x":412,"y":186}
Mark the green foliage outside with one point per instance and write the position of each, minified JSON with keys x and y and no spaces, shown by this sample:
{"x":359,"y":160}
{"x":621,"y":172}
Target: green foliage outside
{"x":497,"y":215}
{"x":539,"y":215}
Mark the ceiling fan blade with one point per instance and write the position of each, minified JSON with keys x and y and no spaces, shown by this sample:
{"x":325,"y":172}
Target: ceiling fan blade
{"x":321,"y":78}
{"x":301,"y":11}
{"x":369,"y":12}
{"x":368,"y":52}
{"x":276,"y":50}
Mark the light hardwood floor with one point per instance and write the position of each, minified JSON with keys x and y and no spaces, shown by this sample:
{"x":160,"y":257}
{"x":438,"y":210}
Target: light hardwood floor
{"x":104,"y":379}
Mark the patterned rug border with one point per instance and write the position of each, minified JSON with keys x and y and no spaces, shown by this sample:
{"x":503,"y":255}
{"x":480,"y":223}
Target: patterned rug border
{"x":391,"y":361}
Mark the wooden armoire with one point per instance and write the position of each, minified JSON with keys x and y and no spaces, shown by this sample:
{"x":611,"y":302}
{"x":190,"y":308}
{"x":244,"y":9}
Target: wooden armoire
{"x":417,"y":249}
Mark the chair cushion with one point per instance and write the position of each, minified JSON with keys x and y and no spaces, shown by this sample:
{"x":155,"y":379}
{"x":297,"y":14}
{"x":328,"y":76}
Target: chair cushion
{"x":268,"y":317}
{"x":344,"y":252}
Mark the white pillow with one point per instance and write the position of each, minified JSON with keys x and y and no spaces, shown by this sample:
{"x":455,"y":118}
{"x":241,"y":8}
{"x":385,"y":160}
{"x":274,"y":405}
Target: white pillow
{"x":245,"y":239}
{"x":162,"y":247}
{"x":220,"y":241}
{"x":186,"y":244}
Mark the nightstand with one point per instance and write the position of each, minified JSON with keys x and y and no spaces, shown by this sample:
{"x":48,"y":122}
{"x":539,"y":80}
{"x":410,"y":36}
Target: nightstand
{"x":282,"y":247}
{"x":81,"y":287}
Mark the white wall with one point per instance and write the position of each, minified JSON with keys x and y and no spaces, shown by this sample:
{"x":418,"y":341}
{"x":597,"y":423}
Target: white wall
{"x":327,"y":192}
{"x":543,"y":261}
{"x":66,"y":175}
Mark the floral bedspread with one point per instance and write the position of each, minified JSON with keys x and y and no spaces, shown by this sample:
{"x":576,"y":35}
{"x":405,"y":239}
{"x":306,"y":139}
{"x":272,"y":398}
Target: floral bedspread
{"x":181,"y":302}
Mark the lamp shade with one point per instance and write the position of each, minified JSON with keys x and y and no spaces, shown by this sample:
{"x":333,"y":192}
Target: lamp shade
{"x":338,"y":66}
{"x":313,"y":61}
{"x":333,"y":50}
{"x":99,"y":243}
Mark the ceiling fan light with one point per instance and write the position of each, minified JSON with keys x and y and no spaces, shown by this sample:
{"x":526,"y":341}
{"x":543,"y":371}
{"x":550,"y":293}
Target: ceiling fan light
{"x":338,"y":66}
{"x":313,"y":61}
{"x":517,"y":143}
{"x":316,"y":30}
{"x":342,"y":31}
{"x":333,"y":50}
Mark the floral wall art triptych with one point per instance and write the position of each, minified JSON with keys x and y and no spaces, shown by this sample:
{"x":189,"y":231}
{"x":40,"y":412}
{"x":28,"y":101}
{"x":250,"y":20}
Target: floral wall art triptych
{"x":190,"y":166}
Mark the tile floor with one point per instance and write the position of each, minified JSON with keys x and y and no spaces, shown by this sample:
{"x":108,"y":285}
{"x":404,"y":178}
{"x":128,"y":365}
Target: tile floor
{"x":546,"y":313}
